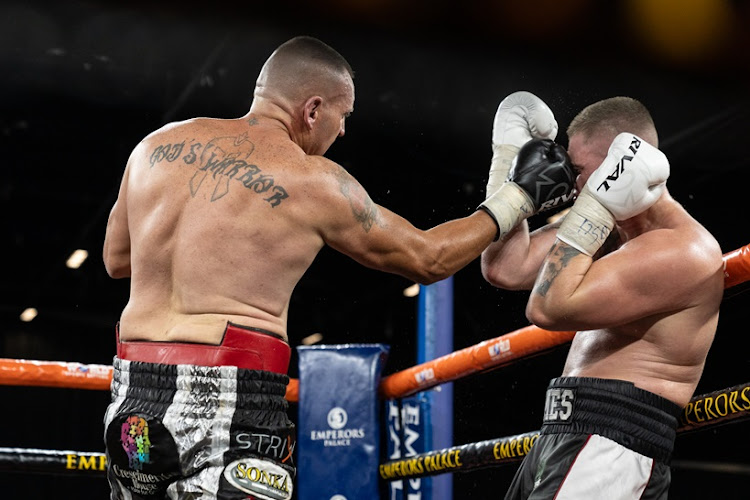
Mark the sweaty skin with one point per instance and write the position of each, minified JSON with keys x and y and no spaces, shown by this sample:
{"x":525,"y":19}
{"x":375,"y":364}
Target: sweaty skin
{"x":645,"y":308}
{"x":217,"y":220}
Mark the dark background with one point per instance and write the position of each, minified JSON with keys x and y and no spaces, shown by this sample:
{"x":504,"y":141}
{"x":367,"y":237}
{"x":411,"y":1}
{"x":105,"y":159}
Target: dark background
{"x":83,"y":81}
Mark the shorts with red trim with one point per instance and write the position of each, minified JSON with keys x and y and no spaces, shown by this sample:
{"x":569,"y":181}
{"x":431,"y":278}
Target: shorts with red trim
{"x":187,"y":430}
{"x":600,"y":439}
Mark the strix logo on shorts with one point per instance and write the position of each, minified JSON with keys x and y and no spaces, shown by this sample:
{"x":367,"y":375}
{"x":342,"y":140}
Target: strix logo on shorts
{"x":279,"y":448}
{"x":142,"y":454}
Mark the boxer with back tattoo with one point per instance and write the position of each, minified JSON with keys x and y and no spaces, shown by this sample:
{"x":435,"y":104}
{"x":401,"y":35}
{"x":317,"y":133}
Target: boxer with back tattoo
{"x":215,"y":223}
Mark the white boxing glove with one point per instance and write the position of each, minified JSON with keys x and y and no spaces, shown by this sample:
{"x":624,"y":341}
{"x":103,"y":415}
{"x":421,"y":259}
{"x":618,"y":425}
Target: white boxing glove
{"x":520,"y":117}
{"x":629,"y":181}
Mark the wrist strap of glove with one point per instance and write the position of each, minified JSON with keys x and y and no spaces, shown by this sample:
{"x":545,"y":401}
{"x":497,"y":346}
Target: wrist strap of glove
{"x":502,"y":159}
{"x":587,"y":225}
{"x":508,"y":206}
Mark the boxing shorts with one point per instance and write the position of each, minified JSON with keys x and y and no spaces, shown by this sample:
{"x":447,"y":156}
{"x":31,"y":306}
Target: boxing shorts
{"x":178,"y":428}
{"x":600,"y":439}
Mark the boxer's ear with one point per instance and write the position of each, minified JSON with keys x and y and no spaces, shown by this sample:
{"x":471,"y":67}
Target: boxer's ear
{"x":311,"y":111}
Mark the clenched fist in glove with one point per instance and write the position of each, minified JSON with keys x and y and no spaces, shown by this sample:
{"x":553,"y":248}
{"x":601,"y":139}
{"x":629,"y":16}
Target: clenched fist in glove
{"x":540,"y":178}
{"x":631,"y":178}
{"x":520,"y":117}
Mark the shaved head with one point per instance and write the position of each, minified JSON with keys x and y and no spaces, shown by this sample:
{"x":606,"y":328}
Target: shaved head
{"x":607,"y":118}
{"x":302,"y":67}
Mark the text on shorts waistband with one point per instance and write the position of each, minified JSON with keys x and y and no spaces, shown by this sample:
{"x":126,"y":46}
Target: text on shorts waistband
{"x":638,"y":419}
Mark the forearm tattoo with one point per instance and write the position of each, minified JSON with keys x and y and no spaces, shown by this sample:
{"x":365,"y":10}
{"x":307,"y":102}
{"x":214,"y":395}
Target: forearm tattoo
{"x":363,"y":208}
{"x":224,"y":159}
{"x":557,"y":259}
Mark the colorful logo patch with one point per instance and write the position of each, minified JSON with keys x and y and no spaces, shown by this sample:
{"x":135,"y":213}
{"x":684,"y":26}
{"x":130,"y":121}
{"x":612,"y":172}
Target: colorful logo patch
{"x":135,"y":441}
{"x":263,"y":479}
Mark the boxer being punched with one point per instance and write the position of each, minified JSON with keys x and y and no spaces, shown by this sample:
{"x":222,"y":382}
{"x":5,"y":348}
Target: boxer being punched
{"x":215,"y":223}
{"x":641,"y":282}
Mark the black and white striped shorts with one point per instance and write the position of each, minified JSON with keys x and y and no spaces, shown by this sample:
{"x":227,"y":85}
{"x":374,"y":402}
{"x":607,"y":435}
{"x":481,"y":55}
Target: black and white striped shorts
{"x":186,"y":431}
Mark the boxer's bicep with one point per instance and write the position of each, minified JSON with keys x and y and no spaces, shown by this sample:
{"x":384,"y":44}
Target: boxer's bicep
{"x":370,"y":234}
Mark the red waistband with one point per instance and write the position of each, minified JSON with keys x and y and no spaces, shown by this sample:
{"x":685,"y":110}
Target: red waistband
{"x":241,"y":347}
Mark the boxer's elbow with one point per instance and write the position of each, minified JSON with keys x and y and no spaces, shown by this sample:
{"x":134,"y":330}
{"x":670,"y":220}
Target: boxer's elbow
{"x":117,"y":264}
{"x":116,"y":248}
{"x":498,"y":277}
{"x":542,"y":313}
{"x":488,"y":272}
{"x":118,"y":271}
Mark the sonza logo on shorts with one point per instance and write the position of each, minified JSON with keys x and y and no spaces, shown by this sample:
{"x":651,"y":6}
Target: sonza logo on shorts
{"x":260,"y":478}
{"x":558,"y":408}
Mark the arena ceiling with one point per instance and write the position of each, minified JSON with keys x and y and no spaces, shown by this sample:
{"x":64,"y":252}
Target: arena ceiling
{"x":84,"y":81}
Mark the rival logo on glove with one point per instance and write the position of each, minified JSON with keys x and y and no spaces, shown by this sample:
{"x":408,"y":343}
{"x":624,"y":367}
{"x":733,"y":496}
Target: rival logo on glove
{"x":635,"y":143}
{"x":560,"y":200}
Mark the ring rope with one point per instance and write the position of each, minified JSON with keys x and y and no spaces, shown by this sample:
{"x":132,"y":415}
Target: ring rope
{"x":56,"y":462}
{"x":73,"y":375}
{"x":486,"y":355}
{"x":480,"y":357}
{"x":708,"y":410}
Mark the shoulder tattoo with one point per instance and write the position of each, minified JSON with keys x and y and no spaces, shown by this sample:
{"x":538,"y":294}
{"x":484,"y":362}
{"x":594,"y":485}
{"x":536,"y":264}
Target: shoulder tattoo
{"x":363,"y":208}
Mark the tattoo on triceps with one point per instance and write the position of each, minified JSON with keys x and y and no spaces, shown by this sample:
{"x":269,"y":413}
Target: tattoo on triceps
{"x":557,"y":259}
{"x":252,"y":121}
{"x":363,"y":208}
{"x":224,"y":159}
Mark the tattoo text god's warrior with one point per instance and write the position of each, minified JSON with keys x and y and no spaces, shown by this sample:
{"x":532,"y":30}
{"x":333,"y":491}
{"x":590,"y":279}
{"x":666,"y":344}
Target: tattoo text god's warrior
{"x":224,"y":159}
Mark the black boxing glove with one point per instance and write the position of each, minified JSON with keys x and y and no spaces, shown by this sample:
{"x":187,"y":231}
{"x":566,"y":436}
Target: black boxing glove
{"x":543,"y":169}
{"x":541,"y":177}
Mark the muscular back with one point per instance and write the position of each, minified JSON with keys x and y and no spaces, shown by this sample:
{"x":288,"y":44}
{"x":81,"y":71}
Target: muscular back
{"x":222,"y":227}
